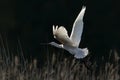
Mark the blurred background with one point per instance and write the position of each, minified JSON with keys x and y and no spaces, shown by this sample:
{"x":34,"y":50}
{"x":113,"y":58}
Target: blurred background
{"x":29,"y":22}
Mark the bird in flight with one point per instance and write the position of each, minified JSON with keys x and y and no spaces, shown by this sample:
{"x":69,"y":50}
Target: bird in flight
{"x":71,"y":44}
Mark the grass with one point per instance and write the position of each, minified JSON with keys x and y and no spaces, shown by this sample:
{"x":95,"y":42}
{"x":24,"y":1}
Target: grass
{"x":17,"y":68}
{"x":54,"y":69}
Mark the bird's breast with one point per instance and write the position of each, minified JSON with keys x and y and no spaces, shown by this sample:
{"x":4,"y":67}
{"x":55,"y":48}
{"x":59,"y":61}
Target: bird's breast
{"x":64,"y":40}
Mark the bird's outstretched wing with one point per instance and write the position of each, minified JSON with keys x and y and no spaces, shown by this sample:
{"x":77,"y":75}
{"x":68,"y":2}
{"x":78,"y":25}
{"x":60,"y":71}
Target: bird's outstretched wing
{"x":61,"y":31}
{"x":61,"y":35}
{"x":54,"y":29}
{"x":78,"y":28}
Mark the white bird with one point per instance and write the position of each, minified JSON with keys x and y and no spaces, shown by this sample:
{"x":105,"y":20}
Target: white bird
{"x":71,"y":43}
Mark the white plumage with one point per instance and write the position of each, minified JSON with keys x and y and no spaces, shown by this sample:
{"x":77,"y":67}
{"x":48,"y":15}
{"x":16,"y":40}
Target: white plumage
{"x":71,"y":43}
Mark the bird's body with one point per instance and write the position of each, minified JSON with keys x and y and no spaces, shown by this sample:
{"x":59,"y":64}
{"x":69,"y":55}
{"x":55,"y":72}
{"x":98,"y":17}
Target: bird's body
{"x":77,"y":52}
{"x":71,"y":43}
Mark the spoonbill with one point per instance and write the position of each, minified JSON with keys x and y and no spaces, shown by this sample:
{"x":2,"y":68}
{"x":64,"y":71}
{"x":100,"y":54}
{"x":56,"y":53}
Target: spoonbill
{"x":71,"y":44}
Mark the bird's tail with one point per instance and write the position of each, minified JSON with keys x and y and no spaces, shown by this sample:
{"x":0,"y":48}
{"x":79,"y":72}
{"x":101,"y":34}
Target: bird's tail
{"x":85,"y":50}
{"x":82,"y":53}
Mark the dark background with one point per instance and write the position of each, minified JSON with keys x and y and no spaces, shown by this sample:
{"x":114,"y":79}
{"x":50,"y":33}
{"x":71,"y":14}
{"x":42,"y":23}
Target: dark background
{"x":30,"y":23}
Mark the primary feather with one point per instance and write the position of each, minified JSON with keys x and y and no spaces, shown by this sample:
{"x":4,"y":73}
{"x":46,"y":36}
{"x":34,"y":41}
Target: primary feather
{"x":61,"y":35}
{"x":78,"y":28}
{"x":61,"y":31}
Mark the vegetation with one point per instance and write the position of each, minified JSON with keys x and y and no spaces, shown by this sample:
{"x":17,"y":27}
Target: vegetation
{"x":56,"y":68}
{"x":15,"y":69}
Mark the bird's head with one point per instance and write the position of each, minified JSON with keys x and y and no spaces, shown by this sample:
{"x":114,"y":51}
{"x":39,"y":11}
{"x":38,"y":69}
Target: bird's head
{"x":52,"y":43}
{"x":56,"y":44}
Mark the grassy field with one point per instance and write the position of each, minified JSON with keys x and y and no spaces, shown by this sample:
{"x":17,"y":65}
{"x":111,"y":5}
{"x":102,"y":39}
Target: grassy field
{"x":18,"y":68}
{"x":54,"y":69}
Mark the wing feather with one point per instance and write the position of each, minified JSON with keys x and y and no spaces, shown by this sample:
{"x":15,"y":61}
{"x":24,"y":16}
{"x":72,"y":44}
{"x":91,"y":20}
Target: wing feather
{"x":61,"y":35}
{"x":78,"y":28}
{"x":61,"y":30}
